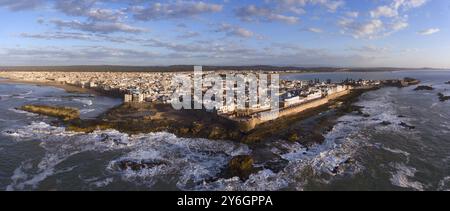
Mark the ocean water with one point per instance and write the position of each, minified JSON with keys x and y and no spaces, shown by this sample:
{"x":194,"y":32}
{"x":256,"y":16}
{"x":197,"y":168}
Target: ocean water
{"x":360,"y":153}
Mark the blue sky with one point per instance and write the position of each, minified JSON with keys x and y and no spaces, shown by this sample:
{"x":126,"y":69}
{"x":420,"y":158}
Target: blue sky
{"x":346,"y":33}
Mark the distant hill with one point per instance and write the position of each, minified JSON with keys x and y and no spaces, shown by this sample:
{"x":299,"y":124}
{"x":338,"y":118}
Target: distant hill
{"x":179,"y":68}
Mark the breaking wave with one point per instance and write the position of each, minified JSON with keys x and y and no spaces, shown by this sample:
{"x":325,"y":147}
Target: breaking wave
{"x":335,"y":157}
{"x":186,"y":161}
{"x":85,"y":111}
{"x":403,"y":177}
{"x":85,"y":102}
{"x":22,"y":112}
{"x":444,"y":184}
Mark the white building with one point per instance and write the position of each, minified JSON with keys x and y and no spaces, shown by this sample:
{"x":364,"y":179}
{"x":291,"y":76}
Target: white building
{"x":314,"y":96}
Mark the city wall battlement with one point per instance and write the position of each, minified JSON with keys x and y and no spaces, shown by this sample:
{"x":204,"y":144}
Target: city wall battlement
{"x":251,"y":123}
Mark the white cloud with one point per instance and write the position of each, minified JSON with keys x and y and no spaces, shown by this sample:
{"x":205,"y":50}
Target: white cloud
{"x":97,"y":27}
{"x":393,"y":9}
{"x":384,"y":11}
{"x":398,"y":25}
{"x":352,"y":14}
{"x":408,"y":4}
{"x":234,"y":30}
{"x":177,"y":9}
{"x":331,"y":5}
{"x":315,"y":30}
{"x":429,"y":31}
{"x":17,"y":5}
{"x":370,"y":29}
{"x":371,"y":49}
{"x":384,"y":20}
{"x":254,"y":13}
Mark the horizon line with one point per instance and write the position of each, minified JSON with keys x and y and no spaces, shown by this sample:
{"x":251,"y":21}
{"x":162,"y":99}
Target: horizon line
{"x":249,"y":65}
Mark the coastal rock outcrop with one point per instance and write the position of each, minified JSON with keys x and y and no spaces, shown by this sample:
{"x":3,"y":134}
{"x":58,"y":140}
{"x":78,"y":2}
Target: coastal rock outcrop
{"x":138,"y":165}
{"x":241,"y":166}
{"x":312,"y":139}
{"x":407,"y":126}
{"x":217,"y":133}
{"x":424,"y":88}
{"x":443,"y":98}
{"x":64,"y":113}
{"x":386,"y":123}
{"x":402,"y":83}
{"x":293,"y":137}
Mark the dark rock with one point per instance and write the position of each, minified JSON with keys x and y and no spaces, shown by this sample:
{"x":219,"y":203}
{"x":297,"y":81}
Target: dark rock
{"x":402,"y":83}
{"x":448,"y":82}
{"x":350,"y":161}
{"x":138,"y":165}
{"x":312,"y":139}
{"x":407,"y":126}
{"x":276,"y":165}
{"x":343,"y":166}
{"x":443,"y":98}
{"x":104,"y":137}
{"x":217,"y":133}
{"x":386,"y":123}
{"x":401,"y":116}
{"x":336,"y":170}
{"x":107,"y":138}
{"x":9,"y":132}
{"x":411,"y":81}
{"x":425,"y":88}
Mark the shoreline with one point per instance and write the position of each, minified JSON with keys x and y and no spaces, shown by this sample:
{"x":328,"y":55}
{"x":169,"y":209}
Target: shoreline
{"x":307,"y":128}
{"x":150,"y":117}
{"x":66,"y":87}
{"x":153,"y":117}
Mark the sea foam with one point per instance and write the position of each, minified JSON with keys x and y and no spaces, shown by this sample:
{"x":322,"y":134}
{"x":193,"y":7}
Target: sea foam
{"x":403,"y":177}
{"x":188,"y":161}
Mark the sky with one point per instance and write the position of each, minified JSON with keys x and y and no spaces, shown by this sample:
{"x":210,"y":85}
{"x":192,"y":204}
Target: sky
{"x":338,"y":33}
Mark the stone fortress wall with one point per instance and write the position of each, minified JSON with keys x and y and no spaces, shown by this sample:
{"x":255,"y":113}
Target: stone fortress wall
{"x":252,"y":123}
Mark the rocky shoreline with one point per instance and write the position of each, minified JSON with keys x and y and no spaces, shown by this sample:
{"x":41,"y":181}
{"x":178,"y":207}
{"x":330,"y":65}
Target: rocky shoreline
{"x":151,"y":117}
{"x":63,"y":113}
{"x":66,"y":87}
{"x":307,"y":128}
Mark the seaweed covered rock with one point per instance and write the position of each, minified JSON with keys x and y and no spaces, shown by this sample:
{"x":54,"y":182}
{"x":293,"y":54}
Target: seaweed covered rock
{"x":196,"y":127}
{"x":293,"y":137}
{"x":64,"y":113}
{"x":241,"y":166}
{"x":183,"y":131}
{"x":218,"y":133}
{"x":312,"y":139}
